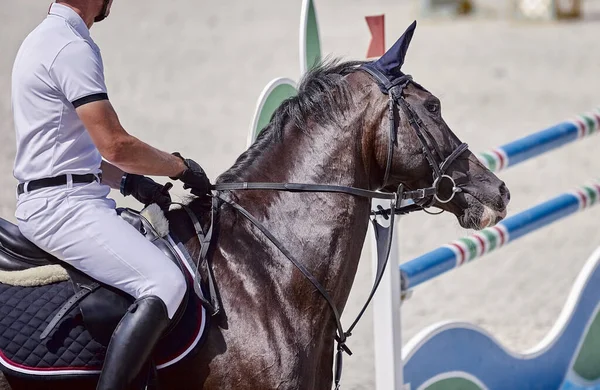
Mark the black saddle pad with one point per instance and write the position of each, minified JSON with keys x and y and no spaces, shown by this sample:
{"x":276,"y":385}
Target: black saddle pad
{"x":70,"y":350}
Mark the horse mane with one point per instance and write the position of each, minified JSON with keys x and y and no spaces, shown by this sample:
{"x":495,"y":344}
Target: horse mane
{"x":323,"y":97}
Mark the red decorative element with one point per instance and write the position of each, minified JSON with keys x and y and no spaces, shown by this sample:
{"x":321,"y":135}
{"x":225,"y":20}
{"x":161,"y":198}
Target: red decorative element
{"x":581,"y":126}
{"x":377,"y":27}
{"x":3,"y":358}
{"x":481,"y":243}
{"x":597,"y":116}
{"x":463,"y":254}
{"x":501,"y":159}
{"x":500,"y":234}
{"x":582,"y":198}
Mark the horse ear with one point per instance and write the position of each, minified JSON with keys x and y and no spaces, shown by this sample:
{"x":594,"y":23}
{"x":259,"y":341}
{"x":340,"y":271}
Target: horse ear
{"x":391,"y":62}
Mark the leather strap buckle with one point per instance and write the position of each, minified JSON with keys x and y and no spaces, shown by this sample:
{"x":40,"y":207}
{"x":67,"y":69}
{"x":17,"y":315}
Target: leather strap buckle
{"x":436,"y":185}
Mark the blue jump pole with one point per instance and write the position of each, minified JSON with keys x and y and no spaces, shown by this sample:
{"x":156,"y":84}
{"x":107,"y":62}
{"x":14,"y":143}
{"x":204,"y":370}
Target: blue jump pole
{"x":541,"y":142}
{"x":464,"y":250}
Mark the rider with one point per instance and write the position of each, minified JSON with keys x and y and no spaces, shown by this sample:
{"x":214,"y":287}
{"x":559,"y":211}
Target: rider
{"x":65,"y":126}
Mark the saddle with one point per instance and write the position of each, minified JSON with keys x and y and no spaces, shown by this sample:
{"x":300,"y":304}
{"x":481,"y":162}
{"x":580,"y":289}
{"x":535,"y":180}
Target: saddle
{"x":63,"y":329}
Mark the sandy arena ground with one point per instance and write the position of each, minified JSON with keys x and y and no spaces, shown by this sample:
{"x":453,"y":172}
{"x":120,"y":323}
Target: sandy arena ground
{"x":185,"y":75}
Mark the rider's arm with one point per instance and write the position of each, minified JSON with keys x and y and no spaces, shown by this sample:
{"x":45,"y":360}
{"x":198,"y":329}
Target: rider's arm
{"x":122,"y":149}
{"x":78,"y":73}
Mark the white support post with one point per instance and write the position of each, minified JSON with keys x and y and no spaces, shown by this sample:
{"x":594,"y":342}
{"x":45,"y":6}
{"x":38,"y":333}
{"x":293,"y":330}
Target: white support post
{"x":386,"y":314}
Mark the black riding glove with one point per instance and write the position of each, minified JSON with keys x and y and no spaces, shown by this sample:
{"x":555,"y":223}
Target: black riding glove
{"x":193,"y":177}
{"x":146,"y":190}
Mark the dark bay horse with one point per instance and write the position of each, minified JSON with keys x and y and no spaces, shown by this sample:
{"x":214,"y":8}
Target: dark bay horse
{"x":275,"y":331}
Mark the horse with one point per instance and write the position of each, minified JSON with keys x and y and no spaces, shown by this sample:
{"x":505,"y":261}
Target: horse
{"x":343,"y":128}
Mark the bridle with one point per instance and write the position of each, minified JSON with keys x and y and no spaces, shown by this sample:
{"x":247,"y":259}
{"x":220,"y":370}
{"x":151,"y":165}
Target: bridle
{"x":394,"y":87}
{"x":423,"y":198}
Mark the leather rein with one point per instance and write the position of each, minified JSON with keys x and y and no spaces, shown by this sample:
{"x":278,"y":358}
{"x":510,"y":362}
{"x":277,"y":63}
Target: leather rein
{"x":422,"y":198}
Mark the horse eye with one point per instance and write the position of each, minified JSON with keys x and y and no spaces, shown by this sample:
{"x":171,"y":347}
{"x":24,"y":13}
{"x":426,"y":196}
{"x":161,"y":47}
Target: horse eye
{"x":432,"y":107}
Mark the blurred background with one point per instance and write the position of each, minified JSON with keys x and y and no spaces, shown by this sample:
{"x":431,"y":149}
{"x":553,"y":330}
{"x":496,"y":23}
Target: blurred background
{"x":185,"y":75}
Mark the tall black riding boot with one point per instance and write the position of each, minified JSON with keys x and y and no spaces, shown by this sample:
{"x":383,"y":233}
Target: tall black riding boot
{"x":132,"y":343}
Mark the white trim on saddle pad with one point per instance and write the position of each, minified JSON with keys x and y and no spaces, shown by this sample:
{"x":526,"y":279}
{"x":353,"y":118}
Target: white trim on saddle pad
{"x":33,"y":277}
{"x":182,"y":252}
{"x":202,"y":325}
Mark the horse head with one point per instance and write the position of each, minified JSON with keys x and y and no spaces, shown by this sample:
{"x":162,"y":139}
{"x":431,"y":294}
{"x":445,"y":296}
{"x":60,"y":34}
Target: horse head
{"x":412,"y":145}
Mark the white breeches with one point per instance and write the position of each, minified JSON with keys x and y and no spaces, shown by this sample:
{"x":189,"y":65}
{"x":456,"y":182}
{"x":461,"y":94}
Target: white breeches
{"x":78,"y":224}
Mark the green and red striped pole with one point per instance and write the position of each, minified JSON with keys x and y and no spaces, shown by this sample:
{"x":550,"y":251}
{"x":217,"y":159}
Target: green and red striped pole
{"x":467,"y":249}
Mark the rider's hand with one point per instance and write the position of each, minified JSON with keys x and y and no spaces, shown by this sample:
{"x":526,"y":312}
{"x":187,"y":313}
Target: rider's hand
{"x":193,"y":177}
{"x":146,"y":190}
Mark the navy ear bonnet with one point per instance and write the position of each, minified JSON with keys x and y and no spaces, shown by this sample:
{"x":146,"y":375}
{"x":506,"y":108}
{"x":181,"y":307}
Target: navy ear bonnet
{"x":390,"y":63}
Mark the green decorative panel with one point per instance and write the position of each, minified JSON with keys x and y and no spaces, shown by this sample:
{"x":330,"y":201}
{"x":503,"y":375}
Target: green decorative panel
{"x":273,"y":95}
{"x":310,"y":43}
{"x":453,"y":384}
{"x":587,"y":364}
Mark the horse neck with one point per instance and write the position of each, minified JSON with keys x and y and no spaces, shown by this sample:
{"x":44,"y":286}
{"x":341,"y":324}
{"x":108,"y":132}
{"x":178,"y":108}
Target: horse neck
{"x":324,"y":231}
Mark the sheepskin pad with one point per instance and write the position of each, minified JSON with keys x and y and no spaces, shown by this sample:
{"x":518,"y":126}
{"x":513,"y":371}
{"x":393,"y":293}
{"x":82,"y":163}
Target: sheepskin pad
{"x":33,"y":277}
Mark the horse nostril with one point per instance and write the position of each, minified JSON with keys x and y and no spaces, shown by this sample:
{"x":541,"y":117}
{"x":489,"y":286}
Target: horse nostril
{"x":504,"y":192}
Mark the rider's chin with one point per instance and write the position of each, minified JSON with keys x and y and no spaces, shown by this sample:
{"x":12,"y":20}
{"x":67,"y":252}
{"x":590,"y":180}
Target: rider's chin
{"x":101,"y":17}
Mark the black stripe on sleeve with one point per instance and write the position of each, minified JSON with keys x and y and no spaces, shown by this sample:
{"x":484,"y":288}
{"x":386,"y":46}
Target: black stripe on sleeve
{"x":89,"y":99}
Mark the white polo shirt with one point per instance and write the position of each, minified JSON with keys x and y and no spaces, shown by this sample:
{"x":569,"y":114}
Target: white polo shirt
{"x":57,"y":69}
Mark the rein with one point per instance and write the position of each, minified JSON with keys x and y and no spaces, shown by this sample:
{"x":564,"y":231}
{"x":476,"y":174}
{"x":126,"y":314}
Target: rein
{"x":302,"y":187}
{"x":222,"y":193}
{"x":422,"y":198}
